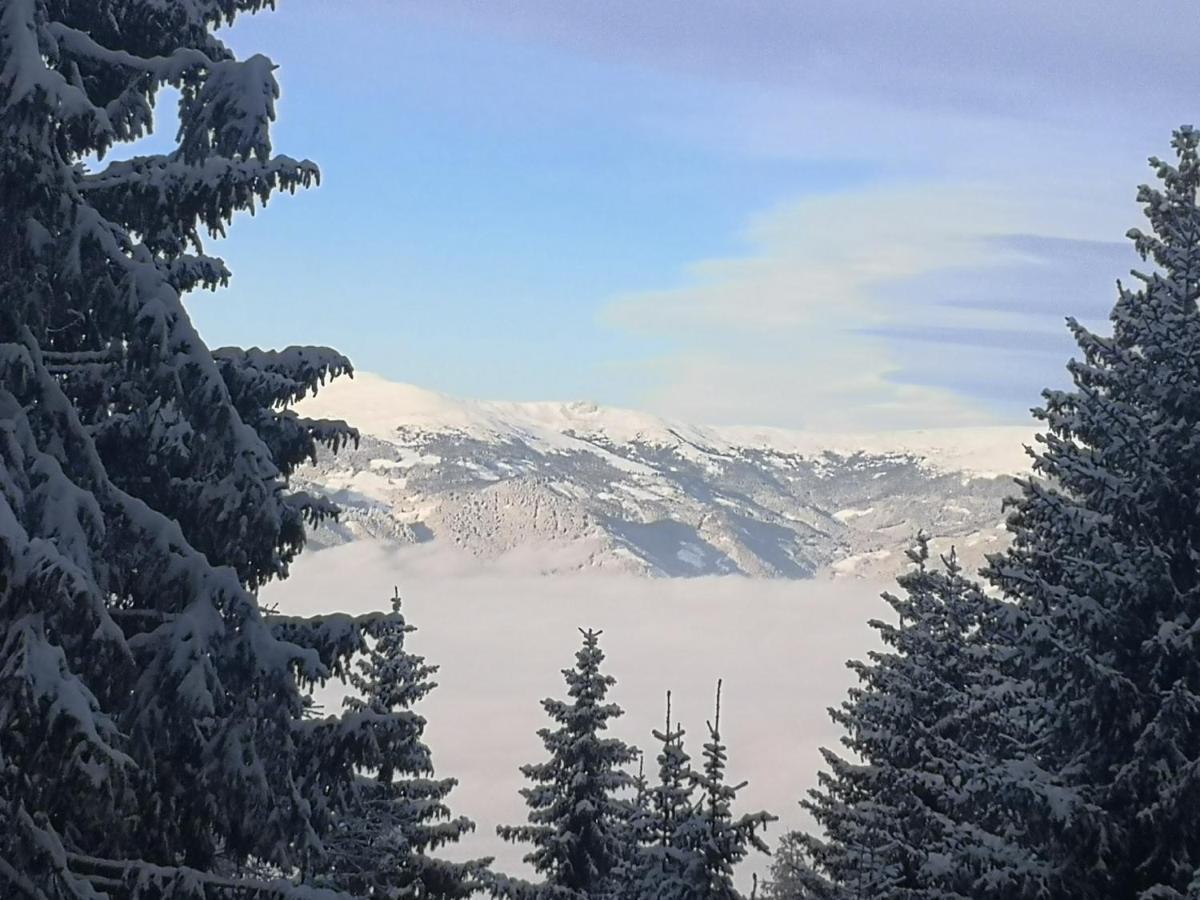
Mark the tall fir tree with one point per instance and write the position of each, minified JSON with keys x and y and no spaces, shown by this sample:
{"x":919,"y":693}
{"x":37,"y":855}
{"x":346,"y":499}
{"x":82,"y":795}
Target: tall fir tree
{"x":929,"y":803}
{"x":153,"y":738}
{"x":711,"y":841}
{"x":382,"y":842}
{"x":1105,"y":567}
{"x":578,"y":814}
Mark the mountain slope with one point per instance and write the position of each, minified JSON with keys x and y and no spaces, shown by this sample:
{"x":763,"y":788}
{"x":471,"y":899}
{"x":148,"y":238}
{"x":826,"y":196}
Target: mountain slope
{"x":564,"y":486}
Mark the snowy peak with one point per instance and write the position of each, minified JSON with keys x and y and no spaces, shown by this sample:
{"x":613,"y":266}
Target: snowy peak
{"x":384,"y":409}
{"x":571,"y":486}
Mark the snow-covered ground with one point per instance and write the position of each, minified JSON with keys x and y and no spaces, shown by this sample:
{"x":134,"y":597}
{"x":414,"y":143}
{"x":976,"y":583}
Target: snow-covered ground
{"x":501,"y":640}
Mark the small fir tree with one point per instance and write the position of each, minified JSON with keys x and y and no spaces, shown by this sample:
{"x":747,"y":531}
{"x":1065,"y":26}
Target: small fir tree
{"x":636,"y":838}
{"x":796,"y":875}
{"x":578,"y":817}
{"x":711,"y":841}
{"x":664,"y":858}
{"x":382,"y":842}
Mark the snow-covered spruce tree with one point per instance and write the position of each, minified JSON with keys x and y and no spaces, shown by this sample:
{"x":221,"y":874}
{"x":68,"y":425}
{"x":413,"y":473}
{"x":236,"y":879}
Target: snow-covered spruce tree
{"x":664,"y":859}
{"x":711,"y":841}
{"x":382,"y":839}
{"x":636,"y":837}
{"x":151,"y":742}
{"x":1105,"y":566}
{"x":577,"y":814}
{"x":930,"y":803}
{"x":795,"y":875}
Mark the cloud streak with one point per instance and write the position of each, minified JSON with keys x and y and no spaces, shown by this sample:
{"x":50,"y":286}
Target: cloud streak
{"x":885,"y":308}
{"x":558,"y":200}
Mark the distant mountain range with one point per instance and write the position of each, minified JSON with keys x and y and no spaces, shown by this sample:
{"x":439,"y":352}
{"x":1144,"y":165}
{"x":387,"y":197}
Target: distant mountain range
{"x":556,"y":487}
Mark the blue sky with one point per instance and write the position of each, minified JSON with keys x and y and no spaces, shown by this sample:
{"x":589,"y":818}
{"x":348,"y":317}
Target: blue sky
{"x":874,"y":215}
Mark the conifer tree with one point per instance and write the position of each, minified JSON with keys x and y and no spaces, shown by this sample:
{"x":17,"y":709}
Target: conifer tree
{"x":1105,"y":567}
{"x":665,"y":858}
{"x":577,"y":814}
{"x":796,"y":875}
{"x":921,"y":810}
{"x":637,"y":836}
{"x":711,"y":841}
{"x":153,"y":740}
{"x":381,"y":843}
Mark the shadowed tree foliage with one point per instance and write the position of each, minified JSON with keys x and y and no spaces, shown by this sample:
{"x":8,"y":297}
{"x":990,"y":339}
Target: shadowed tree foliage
{"x":928,"y":802}
{"x":712,"y":840}
{"x":1047,"y":744}
{"x":577,"y":816}
{"x":154,"y":740}
{"x":382,"y":843}
{"x":1105,"y":569}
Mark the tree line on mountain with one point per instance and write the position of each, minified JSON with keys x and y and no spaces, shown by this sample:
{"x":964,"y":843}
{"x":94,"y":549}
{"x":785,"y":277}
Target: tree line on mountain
{"x":1033,"y":732}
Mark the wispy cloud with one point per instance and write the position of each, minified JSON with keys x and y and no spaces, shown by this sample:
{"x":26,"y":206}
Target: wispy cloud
{"x":546,"y":199}
{"x":1001,"y":57}
{"x":888,"y":307}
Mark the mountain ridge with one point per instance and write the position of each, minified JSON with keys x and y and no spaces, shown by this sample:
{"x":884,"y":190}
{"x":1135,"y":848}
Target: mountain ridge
{"x":578,"y":486}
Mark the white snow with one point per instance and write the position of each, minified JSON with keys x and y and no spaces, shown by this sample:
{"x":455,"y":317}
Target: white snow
{"x":978,"y":450}
{"x":366,"y":483}
{"x":847,"y":515}
{"x":849,"y":564}
{"x":690,"y":554}
{"x":647,"y":492}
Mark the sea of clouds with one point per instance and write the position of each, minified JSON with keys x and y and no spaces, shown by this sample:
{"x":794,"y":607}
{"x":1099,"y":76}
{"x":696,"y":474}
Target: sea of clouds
{"x":501,"y":640}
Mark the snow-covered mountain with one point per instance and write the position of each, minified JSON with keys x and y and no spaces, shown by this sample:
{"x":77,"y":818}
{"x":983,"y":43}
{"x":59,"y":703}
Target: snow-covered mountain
{"x":551,"y":487}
